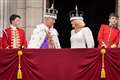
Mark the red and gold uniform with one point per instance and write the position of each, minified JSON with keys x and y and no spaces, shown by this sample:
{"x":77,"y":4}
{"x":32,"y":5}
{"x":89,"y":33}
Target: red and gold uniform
{"x":13,"y":38}
{"x":108,"y":36}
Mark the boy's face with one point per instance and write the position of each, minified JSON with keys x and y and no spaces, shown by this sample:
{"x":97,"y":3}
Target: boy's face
{"x":16,"y":21}
{"x":113,"y":20}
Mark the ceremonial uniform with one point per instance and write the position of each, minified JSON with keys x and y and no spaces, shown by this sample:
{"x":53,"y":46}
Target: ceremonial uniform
{"x":13,"y":37}
{"x":108,"y":36}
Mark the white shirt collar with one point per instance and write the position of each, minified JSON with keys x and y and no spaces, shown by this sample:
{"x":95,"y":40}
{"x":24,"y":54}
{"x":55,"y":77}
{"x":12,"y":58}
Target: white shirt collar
{"x":13,"y":27}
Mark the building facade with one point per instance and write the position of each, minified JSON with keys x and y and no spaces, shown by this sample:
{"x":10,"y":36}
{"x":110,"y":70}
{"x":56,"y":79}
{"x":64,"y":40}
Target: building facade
{"x":31,"y":12}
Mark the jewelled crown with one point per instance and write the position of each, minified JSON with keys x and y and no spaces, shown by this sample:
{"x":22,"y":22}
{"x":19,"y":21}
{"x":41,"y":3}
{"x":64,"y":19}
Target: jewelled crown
{"x":51,"y":12}
{"x":75,"y":14}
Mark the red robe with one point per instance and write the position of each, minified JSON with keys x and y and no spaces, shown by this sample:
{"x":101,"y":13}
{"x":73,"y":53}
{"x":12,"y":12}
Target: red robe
{"x":13,"y":38}
{"x":108,"y":35}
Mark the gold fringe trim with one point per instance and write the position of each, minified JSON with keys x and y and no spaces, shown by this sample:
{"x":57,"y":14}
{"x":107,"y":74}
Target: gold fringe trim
{"x":103,"y":73}
{"x":19,"y":72}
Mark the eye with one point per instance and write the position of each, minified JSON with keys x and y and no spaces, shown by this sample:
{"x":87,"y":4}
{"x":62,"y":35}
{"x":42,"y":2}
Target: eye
{"x":112,"y":18}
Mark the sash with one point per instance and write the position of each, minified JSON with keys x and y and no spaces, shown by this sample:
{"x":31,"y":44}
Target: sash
{"x":45,"y":43}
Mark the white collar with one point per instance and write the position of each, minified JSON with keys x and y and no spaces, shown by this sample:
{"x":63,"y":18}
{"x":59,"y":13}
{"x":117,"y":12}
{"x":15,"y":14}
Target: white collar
{"x":13,"y":27}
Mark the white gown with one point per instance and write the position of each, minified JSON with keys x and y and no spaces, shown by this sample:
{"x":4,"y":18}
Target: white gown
{"x":82,"y":39}
{"x":39,"y":34}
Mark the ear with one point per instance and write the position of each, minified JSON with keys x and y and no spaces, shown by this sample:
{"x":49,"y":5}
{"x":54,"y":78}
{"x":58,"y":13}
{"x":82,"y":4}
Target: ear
{"x":109,"y":19}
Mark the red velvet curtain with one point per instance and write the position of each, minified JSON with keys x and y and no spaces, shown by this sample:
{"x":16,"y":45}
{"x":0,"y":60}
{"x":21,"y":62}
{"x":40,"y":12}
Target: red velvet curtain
{"x":0,"y":43}
{"x":59,"y":64}
{"x":113,"y":64}
{"x":8,"y":64}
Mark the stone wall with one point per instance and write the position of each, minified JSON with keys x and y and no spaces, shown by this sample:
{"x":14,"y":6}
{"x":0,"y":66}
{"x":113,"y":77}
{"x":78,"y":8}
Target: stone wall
{"x":31,"y":12}
{"x":119,"y":11}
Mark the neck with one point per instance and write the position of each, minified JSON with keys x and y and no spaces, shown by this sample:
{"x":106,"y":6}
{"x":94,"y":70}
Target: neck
{"x":77,"y":29}
{"x":113,"y":25}
{"x":14,"y":25}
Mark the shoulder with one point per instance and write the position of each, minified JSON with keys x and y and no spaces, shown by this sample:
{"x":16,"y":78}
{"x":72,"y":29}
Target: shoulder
{"x":104,"y":25}
{"x":21,"y":28}
{"x":54,"y":31}
{"x":41,"y":27}
{"x":72,"y":32}
{"x":117,"y":30}
{"x":6,"y":29}
{"x":86,"y":29}
{"x":38,"y":27}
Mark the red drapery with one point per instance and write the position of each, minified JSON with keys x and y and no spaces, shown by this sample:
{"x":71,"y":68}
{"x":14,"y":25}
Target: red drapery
{"x":59,"y":64}
{"x":0,"y":43}
{"x":113,"y":64}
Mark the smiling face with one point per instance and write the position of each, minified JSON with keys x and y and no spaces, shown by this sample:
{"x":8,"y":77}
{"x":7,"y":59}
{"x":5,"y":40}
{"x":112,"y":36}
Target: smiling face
{"x":77,"y":23}
{"x":113,"y":20}
{"x":49,"y":22}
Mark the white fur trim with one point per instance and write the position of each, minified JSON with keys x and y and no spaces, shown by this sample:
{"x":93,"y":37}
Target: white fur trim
{"x":51,"y":16}
{"x":79,"y":18}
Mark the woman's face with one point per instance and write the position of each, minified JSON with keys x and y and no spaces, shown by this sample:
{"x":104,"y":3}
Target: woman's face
{"x":73,"y":23}
{"x":113,"y":20}
{"x":77,"y":23}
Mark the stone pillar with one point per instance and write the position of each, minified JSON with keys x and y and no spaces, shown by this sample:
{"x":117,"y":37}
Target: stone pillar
{"x":5,"y":12}
{"x":21,"y":10}
{"x":34,"y":15}
{"x":119,"y":12}
{"x":1,"y":15}
{"x":118,"y":7}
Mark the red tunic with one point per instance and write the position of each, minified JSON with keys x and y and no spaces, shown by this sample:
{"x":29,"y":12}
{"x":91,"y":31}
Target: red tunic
{"x":108,"y":35}
{"x":13,"y":38}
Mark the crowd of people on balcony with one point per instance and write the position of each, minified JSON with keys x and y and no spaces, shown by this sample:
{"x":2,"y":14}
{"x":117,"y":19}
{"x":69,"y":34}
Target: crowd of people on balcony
{"x":46,"y":36}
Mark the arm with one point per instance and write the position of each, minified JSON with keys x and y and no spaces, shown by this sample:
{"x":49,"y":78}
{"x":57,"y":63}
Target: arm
{"x":100,"y":37}
{"x":56,"y":40}
{"x":24,"y":42}
{"x":89,"y":38}
{"x":37,"y":38}
{"x":116,"y":41}
{"x":4,"y":39}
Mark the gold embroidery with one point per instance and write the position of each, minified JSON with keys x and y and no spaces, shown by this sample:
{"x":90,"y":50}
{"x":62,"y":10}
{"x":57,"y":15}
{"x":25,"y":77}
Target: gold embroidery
{"x":50,"y":40}
{"x":15,"y":39}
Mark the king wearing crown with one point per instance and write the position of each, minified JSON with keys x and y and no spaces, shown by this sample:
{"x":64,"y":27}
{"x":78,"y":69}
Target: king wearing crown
{"x":45,"y":35}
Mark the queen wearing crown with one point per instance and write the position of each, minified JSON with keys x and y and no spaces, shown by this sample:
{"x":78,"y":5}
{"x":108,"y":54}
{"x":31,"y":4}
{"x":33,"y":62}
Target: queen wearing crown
{"x":81,"y":36}
{"x":45,"y":35}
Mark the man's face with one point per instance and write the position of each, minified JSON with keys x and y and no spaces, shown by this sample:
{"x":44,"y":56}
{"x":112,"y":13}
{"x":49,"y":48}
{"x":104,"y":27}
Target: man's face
{"x":50,"y":22}
{"x":113,"y":20}
{"x":16,"y":22}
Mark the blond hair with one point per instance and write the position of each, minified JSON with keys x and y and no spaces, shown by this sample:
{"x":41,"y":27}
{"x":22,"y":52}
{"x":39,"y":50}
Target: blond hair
{"x":79,"y":23}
